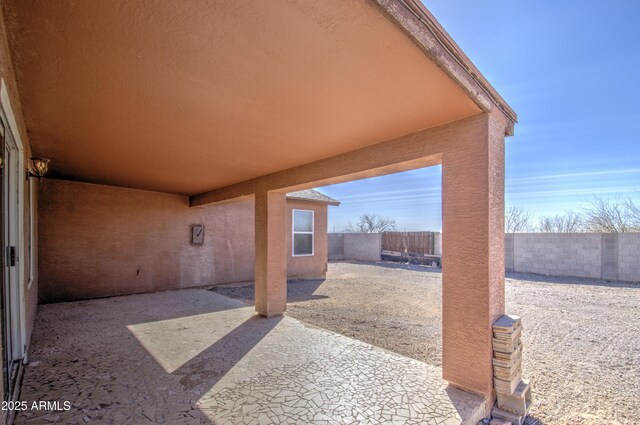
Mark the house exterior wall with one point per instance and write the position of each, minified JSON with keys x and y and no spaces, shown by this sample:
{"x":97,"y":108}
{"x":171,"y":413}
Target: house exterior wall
{"x":7,"y":75}
{"x":98,"y":241}
{"x":31,"y":285}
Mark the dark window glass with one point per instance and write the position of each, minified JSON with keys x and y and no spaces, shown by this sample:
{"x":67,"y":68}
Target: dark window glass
{"x":302,"y":244}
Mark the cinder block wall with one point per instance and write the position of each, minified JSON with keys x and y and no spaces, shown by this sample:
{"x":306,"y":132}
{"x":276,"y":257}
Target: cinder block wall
{"x":591,"y":255}
{"x":336,"y":246}
{"x":355,"y":246}
{"x":629,"y":257}
{"x":607,"y":256}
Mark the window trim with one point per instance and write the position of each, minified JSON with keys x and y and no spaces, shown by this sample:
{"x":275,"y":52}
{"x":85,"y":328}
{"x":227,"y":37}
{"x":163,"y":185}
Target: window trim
{"x":19,"y":326}
{"x":294,"y":232}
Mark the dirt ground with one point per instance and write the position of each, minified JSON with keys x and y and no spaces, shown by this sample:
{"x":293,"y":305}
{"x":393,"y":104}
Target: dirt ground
{"x":581,"y":336}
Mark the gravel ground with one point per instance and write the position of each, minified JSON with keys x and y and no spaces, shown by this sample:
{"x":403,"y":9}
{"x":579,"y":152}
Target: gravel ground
{"x":581,"y":336}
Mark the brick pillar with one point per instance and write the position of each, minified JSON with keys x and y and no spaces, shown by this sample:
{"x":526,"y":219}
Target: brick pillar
{"x":270,"y":257}
{"x":473,"y":250}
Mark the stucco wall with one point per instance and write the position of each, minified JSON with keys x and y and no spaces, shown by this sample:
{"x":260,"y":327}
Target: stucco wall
{"x":591,"y":255}
{"x":30,"y":287}
{"x":8,"y":76}
{"x":98,"y":241}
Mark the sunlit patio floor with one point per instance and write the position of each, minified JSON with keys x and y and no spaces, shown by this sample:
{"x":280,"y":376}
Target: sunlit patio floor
{"x":197,"y":357}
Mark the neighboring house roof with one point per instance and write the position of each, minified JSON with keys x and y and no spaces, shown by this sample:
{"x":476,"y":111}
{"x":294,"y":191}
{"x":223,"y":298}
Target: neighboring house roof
{"x":313,"y":196}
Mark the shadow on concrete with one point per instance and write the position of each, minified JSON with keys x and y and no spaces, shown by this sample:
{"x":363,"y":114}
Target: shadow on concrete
{"x":203,"y":371}
{"x":298,"y":290}
{"x":568,"y":280}
{"x":461,"y":400}
{"x":146,"y":359}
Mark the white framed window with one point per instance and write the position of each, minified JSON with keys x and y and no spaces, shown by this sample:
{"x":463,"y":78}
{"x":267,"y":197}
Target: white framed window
{"x":302,"y":239}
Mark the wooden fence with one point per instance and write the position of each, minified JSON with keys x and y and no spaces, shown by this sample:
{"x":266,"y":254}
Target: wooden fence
{"x":410,"y":243}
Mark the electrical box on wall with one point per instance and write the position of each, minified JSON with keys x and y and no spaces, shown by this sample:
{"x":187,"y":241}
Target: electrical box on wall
{"x":197,"y":234}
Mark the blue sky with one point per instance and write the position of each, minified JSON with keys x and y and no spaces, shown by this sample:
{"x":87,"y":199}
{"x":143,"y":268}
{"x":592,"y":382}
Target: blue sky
{"x":570,"y":69}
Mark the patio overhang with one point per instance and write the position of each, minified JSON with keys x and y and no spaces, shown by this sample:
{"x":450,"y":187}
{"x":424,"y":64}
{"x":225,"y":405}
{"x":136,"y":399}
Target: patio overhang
{"x":188,"y":98}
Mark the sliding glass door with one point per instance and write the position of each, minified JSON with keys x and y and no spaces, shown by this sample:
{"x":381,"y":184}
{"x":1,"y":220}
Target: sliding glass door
{"x":9,"y":171}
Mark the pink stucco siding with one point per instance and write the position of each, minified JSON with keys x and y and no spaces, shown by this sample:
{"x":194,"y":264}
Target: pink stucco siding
{"x":98,"y":241}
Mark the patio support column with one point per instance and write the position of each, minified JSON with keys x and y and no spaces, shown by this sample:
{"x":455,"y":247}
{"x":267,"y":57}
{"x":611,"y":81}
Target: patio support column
{"x":271,"y":255}
{"x":473,"y":250}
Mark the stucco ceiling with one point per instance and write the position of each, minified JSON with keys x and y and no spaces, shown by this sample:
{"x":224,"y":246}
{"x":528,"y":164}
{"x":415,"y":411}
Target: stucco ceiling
{"x":189,"y":96}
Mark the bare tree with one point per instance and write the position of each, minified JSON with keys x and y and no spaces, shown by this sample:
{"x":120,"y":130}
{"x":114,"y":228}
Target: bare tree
{"x":517,"y":220}
{"x":612,"y":216}
{"x":633,"y":210}
{"x":570,"y":222}
{"x":373,"y":223}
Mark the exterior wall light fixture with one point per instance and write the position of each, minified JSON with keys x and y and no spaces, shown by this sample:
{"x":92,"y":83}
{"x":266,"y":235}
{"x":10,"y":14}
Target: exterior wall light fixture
{"x":38,"y":167}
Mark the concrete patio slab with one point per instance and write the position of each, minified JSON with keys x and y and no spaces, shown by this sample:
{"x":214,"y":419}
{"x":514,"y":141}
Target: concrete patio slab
{"x":196,"y":357}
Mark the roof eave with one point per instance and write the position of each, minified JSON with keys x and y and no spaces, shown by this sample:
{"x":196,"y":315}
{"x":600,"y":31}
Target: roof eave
{"x":317,"y":201}
{"x":414,"y":19}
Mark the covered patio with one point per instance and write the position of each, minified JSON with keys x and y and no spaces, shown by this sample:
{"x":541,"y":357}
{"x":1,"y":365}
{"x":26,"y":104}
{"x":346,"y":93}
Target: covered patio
{"x":196,"y":357}
{"x":188,"y":108}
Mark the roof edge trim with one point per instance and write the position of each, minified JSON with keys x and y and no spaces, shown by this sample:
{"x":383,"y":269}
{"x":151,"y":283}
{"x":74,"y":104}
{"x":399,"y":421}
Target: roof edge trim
{"x":415,"y":20}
